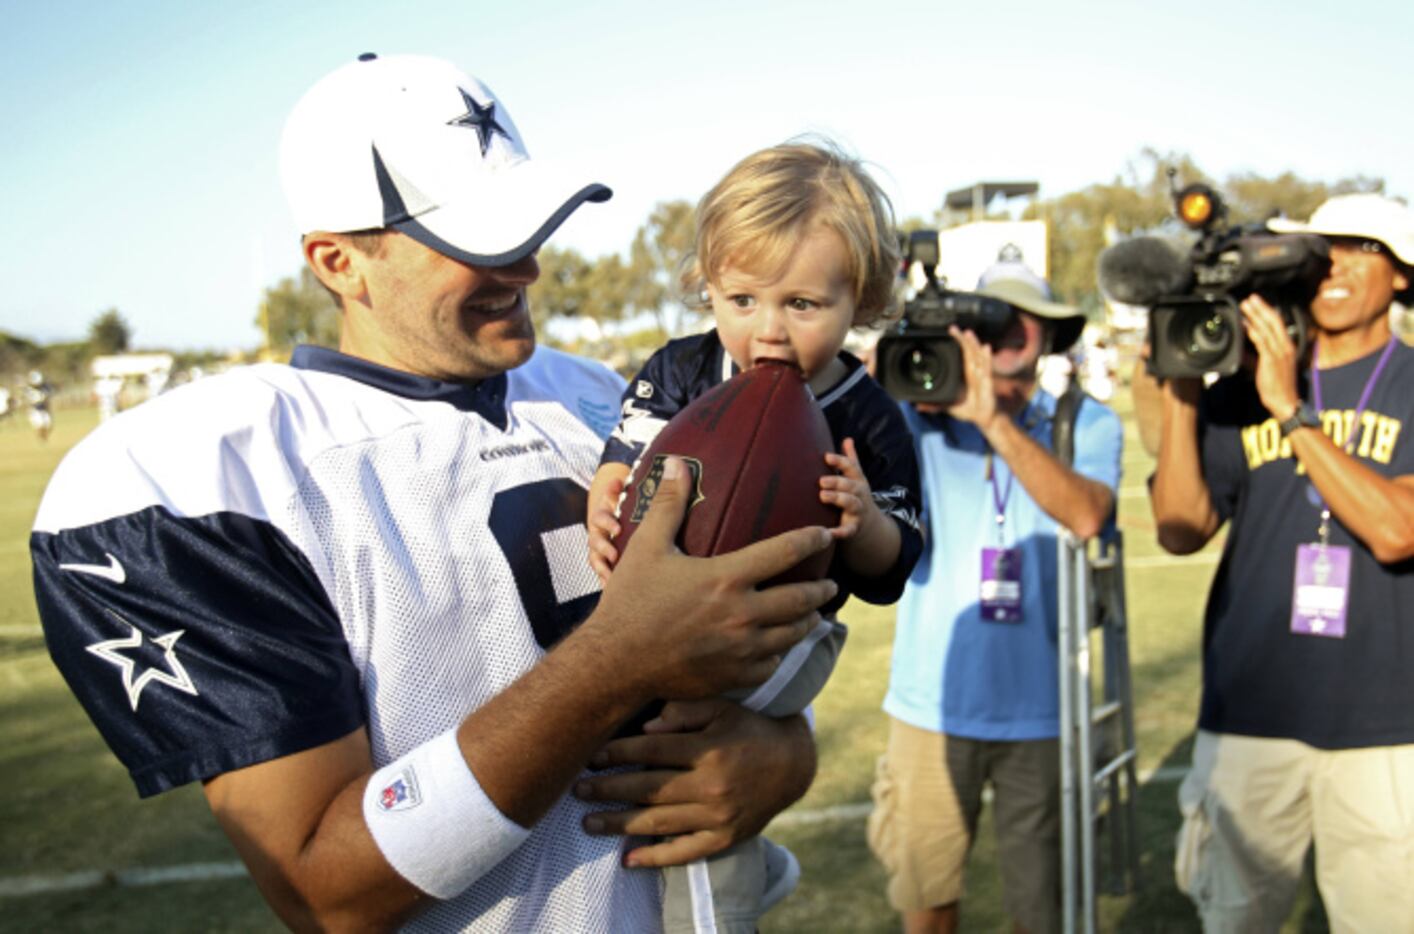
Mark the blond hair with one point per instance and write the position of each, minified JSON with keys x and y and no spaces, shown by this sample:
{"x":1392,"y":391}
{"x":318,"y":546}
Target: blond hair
{"x":756,"y":216}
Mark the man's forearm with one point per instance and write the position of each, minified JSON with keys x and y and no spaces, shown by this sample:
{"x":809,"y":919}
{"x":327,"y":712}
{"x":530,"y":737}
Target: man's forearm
{"x":1077,"y":502}
{"x":526,"y":745}
{"x":1184,"y":516}
{"x":1377,"y":510}
{"x":300,"y":823}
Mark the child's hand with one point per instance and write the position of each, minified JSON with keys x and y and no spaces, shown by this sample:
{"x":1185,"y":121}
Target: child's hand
{"x":603,"y":528}
{"x":849,"y":490}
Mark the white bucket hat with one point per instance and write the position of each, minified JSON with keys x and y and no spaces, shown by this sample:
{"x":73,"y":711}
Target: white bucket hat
{"x":414,"y":144}
{"x":1373,"y":217}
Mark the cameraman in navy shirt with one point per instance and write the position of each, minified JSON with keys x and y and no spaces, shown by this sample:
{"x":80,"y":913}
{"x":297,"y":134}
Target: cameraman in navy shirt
{"x":1306,"y":729}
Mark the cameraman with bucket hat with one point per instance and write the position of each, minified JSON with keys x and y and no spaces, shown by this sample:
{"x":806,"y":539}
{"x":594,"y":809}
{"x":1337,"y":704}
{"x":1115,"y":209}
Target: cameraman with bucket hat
{"x":1306,"y":726}
{"x":973,"y":693}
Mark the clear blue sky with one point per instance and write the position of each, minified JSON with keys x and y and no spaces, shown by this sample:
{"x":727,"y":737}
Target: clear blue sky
{"x":140,"y":136}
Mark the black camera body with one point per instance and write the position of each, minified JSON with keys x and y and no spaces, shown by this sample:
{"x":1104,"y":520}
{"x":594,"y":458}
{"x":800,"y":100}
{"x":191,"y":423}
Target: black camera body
{"x":917,"y":360}
{"x":1200,"y":330}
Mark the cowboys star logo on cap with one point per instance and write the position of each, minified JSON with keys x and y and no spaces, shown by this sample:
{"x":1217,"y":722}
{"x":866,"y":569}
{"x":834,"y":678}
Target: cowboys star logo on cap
{"x":482,"y":119}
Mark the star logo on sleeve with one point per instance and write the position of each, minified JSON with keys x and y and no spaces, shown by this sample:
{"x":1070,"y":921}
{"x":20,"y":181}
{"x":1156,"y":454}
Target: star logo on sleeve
{"x":481,"y":119}
{"x":115,"y":652}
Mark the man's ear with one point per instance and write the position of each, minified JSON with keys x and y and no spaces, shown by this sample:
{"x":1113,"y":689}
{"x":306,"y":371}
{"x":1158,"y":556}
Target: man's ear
{"x":337,"y":265}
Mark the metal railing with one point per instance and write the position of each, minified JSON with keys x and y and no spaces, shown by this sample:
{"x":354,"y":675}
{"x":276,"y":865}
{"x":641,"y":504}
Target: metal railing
{"x":1099,"y":784}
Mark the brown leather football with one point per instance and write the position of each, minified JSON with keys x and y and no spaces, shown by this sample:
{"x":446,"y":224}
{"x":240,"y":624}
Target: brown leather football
{"x":755,"y":446}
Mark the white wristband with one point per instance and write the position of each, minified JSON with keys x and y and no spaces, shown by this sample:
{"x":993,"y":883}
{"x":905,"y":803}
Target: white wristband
{"x":432,"y":821}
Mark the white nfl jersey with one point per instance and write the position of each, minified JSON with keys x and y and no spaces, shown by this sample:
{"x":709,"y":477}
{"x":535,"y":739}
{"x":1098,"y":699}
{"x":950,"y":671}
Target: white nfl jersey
{"x":261,"y":562}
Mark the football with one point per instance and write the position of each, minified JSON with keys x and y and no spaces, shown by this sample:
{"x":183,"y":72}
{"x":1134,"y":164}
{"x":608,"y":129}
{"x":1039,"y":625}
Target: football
{"x":755,"y":447}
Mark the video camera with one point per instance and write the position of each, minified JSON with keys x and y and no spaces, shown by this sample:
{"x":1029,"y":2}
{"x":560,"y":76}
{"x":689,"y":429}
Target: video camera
{"x":917,"y":360}
{"x":1195,"y":325}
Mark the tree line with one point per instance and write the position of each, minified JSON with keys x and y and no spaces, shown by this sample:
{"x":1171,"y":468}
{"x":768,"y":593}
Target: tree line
{"x":108,"y":333}
{"x":642,"y":285}
{"x":66,"y":363}
{"x":638,"y":289}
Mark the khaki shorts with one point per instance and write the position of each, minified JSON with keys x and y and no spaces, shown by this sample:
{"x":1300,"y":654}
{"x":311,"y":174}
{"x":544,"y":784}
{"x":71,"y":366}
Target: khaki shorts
{"x":1252,"y":807}
{"x":927,"y":799}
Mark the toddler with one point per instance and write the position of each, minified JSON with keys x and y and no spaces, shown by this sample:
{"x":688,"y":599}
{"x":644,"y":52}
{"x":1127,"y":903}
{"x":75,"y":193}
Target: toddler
{"x":794,"y":248}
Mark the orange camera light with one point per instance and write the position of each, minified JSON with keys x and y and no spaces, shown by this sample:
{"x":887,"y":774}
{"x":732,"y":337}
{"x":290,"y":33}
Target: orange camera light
{"x":1195,"y":206}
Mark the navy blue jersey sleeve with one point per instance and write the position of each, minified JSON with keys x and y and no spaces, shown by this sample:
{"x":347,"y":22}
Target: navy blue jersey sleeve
{"x":889,"y":459}
{"x":675,"y":375}
{"x":196,"y":645}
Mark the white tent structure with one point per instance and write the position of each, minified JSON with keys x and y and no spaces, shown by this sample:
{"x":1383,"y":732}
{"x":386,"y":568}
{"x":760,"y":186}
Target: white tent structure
{"x":114,"y":376}
{"x":132,"y":366}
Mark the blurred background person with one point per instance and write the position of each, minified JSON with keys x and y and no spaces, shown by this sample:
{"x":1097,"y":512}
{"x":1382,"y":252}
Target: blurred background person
{"x":37,"y":396}
{"x":1099,"y":361}
{"x":108,"y":389}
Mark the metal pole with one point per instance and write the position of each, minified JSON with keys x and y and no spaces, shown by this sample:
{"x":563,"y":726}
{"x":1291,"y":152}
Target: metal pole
{"x":1068,"y":770}
{"x":1085,"y":754}
{"x":1125,"y":688}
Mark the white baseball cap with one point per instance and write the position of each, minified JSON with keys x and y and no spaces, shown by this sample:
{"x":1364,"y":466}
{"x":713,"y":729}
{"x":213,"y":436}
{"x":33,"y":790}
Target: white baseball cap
{"x":1373,"y":217}
{"x":414,"y":144}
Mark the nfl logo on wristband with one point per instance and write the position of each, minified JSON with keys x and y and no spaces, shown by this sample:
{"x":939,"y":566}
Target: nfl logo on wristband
{"x":401,"y":793}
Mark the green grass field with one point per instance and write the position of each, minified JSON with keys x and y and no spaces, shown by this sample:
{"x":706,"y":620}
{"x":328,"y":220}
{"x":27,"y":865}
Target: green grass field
{"x":71,"y":807}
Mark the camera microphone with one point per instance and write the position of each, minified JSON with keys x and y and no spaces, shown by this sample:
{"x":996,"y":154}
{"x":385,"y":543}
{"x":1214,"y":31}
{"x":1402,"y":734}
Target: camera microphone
{"x":1143,"y":270}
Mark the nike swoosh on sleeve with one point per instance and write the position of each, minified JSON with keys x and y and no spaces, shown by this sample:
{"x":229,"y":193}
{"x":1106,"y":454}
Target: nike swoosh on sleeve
{"x":112,"y":571}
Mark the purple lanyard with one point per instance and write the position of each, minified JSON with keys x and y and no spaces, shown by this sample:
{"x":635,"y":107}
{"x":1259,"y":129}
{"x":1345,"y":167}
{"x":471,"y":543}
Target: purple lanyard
{"x":1365,"y":393}
{"x":1354,"y":423}
{"x":999,"y":496}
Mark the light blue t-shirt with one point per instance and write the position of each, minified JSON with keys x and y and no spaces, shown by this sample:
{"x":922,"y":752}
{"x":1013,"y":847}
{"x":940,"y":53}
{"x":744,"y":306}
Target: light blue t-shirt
{"x":953,"y":672}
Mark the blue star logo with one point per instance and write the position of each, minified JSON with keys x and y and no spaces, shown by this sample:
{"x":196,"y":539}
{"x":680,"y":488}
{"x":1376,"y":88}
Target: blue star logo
{"x":481,"y":119}
{"x":113,"y":652}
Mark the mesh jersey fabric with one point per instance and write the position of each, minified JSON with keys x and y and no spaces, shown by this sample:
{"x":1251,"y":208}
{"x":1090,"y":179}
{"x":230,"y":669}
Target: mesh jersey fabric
{"x":337,"y":544}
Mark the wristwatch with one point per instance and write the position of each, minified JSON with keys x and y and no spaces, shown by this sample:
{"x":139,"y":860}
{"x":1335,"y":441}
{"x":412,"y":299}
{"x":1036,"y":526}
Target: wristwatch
{"x":1303,"y":417}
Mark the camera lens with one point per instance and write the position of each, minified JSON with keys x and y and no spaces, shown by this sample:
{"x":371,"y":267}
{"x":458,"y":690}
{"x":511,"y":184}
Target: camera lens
{"x":922,"y":367}
{"x":1210,"y":335}
{"x":1203,"y":337}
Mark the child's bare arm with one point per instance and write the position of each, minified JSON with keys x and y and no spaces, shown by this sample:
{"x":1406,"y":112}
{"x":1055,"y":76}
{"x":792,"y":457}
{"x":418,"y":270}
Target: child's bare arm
{"x":868,"y":539}
{"x":604,"y":492}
